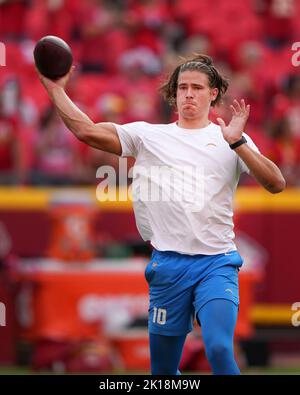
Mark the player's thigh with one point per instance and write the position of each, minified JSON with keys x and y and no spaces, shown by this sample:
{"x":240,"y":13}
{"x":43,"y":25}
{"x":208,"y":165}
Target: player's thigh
{"x":170,"y":313}
{"x":171,"y":309}
{"x":223,"y":284}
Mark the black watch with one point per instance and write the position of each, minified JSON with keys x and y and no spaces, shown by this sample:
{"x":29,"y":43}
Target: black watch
{"x":238,"y":143}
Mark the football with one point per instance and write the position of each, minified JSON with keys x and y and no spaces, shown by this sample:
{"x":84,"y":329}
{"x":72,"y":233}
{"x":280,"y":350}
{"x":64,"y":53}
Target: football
{"x":53,"y":57}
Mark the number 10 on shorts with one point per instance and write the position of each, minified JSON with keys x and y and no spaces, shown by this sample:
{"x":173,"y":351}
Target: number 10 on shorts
{"x":159,"y":316}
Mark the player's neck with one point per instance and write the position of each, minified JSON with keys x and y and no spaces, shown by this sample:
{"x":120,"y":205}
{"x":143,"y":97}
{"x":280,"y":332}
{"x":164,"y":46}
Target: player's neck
{"x":193,"y":123}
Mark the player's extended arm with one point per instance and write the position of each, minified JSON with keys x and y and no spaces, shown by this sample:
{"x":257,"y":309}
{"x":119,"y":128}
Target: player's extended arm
{"x":263,"y":169}
{"x":101,"y":135}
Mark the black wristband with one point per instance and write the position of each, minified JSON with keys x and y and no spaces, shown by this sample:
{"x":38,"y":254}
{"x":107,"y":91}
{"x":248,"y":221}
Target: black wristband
{"x":238,"y":143}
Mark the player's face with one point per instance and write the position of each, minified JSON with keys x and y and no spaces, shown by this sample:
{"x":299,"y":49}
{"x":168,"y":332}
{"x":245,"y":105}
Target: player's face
{"x":194,"y":94}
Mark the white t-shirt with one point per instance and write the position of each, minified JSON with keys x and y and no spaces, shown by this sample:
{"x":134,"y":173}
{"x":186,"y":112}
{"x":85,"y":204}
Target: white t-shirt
{"x":184,"y":181}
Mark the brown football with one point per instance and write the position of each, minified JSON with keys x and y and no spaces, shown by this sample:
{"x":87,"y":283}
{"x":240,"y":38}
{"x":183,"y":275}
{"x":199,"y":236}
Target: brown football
{"x":53,"y":57}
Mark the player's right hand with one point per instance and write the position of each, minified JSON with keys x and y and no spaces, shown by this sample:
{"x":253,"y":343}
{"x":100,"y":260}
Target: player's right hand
{"x":52,"y":84}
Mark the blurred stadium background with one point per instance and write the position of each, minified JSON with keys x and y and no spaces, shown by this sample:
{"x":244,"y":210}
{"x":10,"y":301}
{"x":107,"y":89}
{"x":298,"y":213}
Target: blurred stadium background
{"x":73,"y":297}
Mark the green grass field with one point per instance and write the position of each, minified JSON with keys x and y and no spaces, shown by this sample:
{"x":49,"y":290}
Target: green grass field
{"x":292,"y":370}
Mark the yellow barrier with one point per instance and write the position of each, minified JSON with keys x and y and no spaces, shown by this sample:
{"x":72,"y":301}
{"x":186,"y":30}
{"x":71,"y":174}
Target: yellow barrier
{"x":248,"y":199}
{"x":27,"y":198}
{"x":272,"y":314}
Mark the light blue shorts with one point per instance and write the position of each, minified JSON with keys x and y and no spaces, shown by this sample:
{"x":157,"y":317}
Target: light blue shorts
{"x":179,"y":285}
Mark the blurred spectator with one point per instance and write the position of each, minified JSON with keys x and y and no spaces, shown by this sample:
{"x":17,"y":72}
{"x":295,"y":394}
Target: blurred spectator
{"x":249,"y":81}
{"x":141,"y":58}
{"x":196,"y":44}
{"x":12,"y":19}
{"x":148,"y":21}
{"x":140,"y":91}
{"x":277,"y":16}
{"x":287,"y":103}
{"x":286,"y":151}
{"x":11,"y":152}
{"x":57,"y":153}
{"x":56,"y":17}
{"x":102,"y":36}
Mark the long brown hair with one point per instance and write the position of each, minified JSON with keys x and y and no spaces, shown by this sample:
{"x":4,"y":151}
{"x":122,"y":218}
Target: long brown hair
{"x":199,"y":62}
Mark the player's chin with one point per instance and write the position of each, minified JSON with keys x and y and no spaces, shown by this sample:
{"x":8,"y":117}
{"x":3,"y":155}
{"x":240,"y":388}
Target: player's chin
{"x":189,"y":113}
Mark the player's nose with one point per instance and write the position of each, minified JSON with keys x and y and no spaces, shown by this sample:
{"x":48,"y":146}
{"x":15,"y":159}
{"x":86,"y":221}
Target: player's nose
{"x":189,"y":93}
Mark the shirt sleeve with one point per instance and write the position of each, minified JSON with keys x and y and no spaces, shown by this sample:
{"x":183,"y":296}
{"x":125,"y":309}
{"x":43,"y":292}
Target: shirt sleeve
{"x":242,"y":167}
{"x":131,"y":137}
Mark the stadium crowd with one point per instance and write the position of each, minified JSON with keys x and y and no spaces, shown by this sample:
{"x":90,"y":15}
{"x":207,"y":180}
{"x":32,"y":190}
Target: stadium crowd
{"x":123,"y":49}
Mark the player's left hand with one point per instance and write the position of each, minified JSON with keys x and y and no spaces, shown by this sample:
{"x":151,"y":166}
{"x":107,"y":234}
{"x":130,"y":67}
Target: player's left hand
{"x":234,"y":130}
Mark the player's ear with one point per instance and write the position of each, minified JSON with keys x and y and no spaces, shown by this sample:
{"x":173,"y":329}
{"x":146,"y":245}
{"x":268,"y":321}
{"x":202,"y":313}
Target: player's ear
{"x":214,"y":93}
